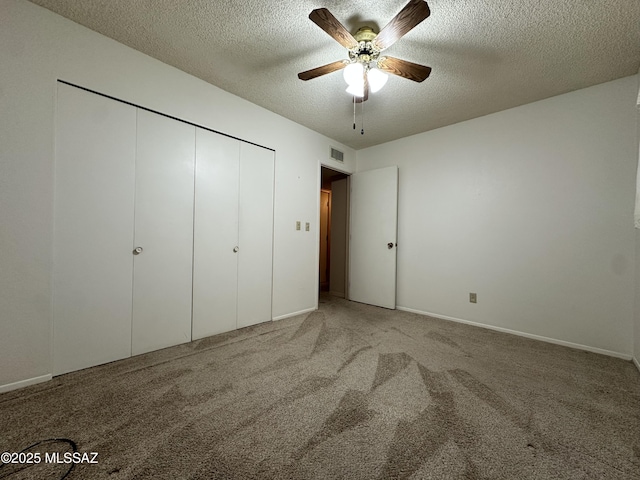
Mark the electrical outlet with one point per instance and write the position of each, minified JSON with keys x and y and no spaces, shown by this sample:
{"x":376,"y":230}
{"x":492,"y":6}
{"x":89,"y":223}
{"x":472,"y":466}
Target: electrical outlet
{"x":297,"y":224}
{"x":473,"y":298}
{"x":306,"y":227}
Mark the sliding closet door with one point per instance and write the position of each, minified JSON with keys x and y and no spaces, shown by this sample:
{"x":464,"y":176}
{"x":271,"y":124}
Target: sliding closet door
{"x":215,"y":256}
{"x":255,"y":262}
{"x":93,"y":230}
{"x":163,"y":233}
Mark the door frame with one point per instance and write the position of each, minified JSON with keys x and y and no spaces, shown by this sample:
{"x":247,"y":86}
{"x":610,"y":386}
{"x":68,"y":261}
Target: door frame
{"x":348,"y":220}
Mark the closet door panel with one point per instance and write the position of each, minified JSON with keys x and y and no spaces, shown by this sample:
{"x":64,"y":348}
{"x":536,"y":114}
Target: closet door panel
{"x":255,"y":264}
{"x":162,"y":285}
{"x":215,"y":263}
{"x":93,"y":230}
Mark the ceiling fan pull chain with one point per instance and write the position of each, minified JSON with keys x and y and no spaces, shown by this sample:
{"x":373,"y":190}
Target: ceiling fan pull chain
{"x":354,"y":112}
{"x":362,"y":114}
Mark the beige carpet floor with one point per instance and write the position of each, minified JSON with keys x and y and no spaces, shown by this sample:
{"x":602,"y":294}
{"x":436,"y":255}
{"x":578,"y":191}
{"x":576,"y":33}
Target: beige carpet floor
{"x":348,"y":392}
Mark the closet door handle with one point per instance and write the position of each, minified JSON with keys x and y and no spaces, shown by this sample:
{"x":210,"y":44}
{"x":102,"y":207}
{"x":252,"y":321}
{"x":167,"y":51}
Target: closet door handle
{"x":235,"y":249}
{"x":137,"y":250}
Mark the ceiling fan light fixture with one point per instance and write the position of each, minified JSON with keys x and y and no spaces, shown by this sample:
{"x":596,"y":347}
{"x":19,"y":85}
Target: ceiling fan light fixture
{"x":377,"y":79}
{"x":353,"y":74}
{"x":356,"y":90}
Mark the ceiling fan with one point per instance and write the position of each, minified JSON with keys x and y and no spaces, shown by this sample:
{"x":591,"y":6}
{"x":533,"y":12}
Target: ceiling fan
{"x":363,"y":69}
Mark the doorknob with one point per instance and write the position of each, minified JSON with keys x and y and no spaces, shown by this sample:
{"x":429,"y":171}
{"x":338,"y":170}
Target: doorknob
{"x":235,"y":249}
{"x":137,"y":250}
{"x":390,"y":245}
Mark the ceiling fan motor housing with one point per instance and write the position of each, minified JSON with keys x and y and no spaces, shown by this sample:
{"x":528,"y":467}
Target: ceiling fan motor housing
{"x":365,"y":34}
{"x":365,"y":52}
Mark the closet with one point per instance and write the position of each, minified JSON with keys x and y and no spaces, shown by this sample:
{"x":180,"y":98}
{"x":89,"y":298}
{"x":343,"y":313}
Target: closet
{"x":233,"y":234}
{"x":163,"y":231}
{"x":93,"y":230}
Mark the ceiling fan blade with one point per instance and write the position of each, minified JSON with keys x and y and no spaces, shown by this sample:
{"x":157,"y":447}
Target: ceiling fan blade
{"x":330,"y":24}
{"x":323,"y":70}
{"x":403,"y":68}
{"x":366,"y":90}
{"x":411,"y":15}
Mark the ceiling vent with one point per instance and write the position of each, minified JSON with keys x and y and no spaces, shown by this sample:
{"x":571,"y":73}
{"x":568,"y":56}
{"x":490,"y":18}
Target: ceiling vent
{"x":337,"y":155}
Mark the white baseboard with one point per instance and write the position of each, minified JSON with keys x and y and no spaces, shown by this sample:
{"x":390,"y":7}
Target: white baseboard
{"x":24,"y":383}
{"x":564,"y":343}
{"x":294,"y":314}
{"x":637,"y":363}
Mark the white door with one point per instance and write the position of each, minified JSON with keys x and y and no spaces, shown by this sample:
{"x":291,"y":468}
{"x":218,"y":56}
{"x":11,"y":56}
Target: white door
{"x":255,"y":243}
{"x":93,"y":230}
{"x":164,"y":231}
{"x":215,"y":243}
{"x":372,"y":251}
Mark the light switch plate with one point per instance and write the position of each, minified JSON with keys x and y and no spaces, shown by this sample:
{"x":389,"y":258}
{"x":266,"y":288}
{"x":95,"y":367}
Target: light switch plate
{"x":306,"y":227}
{"x":297,"y":225}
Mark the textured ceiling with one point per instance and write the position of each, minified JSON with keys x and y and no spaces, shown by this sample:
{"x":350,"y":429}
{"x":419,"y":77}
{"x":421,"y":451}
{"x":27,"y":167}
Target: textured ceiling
{"x":486,"y":55}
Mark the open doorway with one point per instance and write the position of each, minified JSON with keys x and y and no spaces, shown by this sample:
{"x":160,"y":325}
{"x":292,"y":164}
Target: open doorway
{"x":334,"y":230}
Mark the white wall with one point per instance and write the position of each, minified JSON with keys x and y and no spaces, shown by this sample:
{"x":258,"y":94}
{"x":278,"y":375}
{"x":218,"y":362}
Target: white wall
{"x":38,"y":47}
{"x":532,"y":208}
